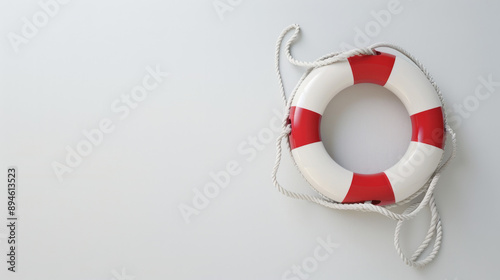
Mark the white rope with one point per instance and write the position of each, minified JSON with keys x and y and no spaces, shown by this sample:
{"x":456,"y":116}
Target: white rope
{"x":435,"y":229}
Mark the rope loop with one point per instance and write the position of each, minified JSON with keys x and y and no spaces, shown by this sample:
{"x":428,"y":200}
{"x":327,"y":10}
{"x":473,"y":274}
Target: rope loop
{"x":435,"y":228}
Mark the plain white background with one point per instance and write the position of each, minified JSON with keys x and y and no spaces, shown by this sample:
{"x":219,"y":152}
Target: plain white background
{"x":116,"y":215}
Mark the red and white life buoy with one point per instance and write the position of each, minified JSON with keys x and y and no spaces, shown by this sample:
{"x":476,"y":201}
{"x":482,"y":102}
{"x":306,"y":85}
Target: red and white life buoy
{"x":416,"y":166}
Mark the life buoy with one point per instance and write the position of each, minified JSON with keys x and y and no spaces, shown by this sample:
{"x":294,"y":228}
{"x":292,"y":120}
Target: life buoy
{"x":421,"y":101}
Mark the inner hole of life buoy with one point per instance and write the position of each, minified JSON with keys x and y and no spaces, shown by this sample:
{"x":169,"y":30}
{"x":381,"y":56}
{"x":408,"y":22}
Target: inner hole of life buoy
{"x":366,"y":128}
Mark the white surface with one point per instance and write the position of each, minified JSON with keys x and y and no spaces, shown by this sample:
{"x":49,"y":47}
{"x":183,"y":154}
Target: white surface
{"x":321,"y":85}
{"x":322,"y":172}
{"x":413,"y":169}
{"x":411,"y":86}
{"x":119,"y":208}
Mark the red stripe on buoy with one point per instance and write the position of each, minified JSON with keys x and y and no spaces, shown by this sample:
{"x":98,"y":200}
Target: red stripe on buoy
{"x":375,"y":187}
{"x":374,"y":69}
{"x":305,"y":127}
{"x":428,"y":127}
